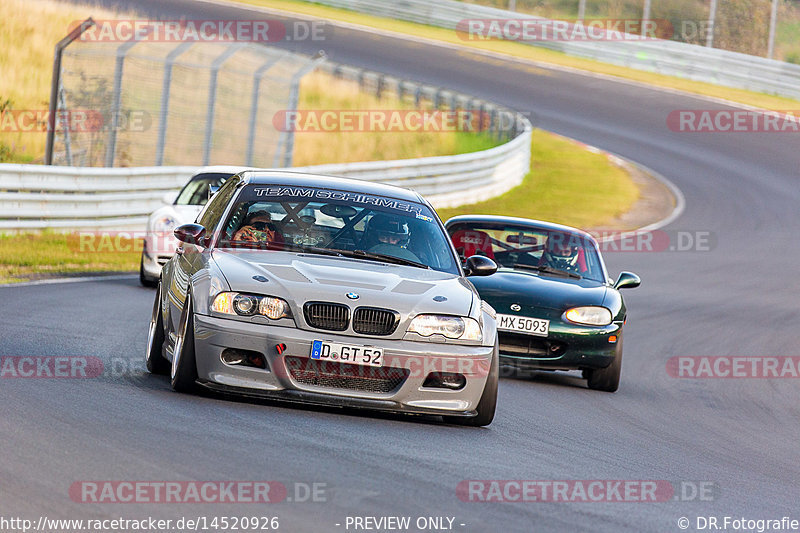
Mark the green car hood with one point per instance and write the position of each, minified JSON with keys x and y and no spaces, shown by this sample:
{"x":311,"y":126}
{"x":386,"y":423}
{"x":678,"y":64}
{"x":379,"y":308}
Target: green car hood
{"x":506,"y":287}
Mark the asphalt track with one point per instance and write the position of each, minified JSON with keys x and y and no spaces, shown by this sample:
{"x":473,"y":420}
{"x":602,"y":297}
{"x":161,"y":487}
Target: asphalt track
{"x":738,"y":298}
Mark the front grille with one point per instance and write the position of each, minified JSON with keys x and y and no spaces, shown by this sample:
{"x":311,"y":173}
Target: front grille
{"x":374,"y":321}
{"x":321,"y":315}
{"x":530,"y":345}
{"x":343,"y":376}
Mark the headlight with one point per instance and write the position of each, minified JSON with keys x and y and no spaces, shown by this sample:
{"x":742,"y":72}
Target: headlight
{"x":165,"y":224}
{"x":452,"y":327}
{"x":234,"y":303}
{"x":589,"y":315}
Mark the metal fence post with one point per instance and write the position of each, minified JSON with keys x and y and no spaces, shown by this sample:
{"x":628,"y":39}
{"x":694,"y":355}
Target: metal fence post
{"x":251,"y":128}
{"x":165,"y":88}
{"x":122,"y":51}
{"x":212,"y":97}
{"x":56,"y":85}
{"x":773,"y":19}
{"x":286,"y":138}
{"x":712,"y":15}
{"x":62,"y":108}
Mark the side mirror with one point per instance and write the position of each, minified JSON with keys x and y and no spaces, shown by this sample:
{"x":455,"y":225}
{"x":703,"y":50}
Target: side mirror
{"x":627,"y":280}
{"x":191,"y":234}
{"x":169,"y":197}
{"x":480,"y":265}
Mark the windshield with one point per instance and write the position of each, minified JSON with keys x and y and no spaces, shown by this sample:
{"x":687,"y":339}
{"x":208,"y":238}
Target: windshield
{"x":330,"y":222}
{"x":529,"y":247}
{"x":196,"y":191}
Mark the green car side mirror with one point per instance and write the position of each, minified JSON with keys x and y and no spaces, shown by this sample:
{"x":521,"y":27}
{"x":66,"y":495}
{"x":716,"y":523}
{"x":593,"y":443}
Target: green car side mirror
{"x":627,"y":280}
{"x":480,"y":265}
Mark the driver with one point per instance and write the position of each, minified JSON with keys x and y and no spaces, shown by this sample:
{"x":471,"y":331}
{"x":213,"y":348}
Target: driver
{"x":563,"y":254}
{"x":258,"y":227}
{"x":388,"y":235}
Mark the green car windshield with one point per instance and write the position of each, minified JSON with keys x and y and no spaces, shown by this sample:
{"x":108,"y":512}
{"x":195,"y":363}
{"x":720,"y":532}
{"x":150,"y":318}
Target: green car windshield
{"x":526,"y":247}
{"x":329,"y":222}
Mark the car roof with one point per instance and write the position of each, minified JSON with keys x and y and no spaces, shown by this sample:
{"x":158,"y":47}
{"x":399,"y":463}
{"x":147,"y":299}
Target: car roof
{"x":497,"y":219}
{"x":221,"y":169}
{"x":322,"y":181}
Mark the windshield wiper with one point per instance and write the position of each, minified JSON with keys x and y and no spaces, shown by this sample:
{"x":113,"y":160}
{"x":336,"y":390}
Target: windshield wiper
{"x":361,"y":254}
{"x":548,"y":270}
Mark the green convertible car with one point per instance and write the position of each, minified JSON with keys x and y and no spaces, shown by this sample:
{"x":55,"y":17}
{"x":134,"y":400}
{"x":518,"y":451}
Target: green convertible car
{"x":557,"y":309}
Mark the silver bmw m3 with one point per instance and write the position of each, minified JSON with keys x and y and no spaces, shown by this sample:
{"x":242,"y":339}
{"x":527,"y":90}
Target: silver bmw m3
{"x":326,"y":290}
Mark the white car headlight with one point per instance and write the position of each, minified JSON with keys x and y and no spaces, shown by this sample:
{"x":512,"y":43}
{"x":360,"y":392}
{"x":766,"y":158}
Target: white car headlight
{"x":165,"y":224}
{"x":589,"y":315}
{"x":452,"y":327}
{"x":234,"y":303}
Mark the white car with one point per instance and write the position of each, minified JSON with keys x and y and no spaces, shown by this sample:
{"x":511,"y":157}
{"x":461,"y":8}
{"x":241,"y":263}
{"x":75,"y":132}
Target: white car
{"x":182,"y":208}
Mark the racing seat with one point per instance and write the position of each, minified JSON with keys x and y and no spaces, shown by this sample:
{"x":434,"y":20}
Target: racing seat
{"x":472,"y":242}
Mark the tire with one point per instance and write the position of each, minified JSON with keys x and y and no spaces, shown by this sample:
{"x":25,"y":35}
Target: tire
{"x":488,"y":402}
{"x":184,"y":368}
{"x":144,"y":279}
{"x":156,"y":364}
{"x":607,"y":379}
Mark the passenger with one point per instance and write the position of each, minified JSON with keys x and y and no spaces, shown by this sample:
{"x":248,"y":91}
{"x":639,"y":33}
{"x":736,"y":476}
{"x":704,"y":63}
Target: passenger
{"x":258,"y":227}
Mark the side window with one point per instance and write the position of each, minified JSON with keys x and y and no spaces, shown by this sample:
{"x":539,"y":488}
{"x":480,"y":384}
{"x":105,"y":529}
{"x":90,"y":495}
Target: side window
{"x":215,"y":208}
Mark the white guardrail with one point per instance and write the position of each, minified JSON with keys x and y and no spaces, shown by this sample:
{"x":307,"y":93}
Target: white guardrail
{"x":38,"y":196}
{"x":712,"y":65}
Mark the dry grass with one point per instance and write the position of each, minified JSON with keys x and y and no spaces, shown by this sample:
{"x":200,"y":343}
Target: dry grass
{"x":29,"y":30}
{"x":321,"y":91}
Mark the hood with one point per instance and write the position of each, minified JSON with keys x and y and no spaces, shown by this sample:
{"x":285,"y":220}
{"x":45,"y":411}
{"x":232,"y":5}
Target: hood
{"x":313,"y":277}
{"x":530,"y":289}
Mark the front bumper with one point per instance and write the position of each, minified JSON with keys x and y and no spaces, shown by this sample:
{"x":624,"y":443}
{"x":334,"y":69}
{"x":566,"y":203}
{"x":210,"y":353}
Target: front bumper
{"x":289,"y":375}
{"x":154,"y":257}
{"x":567,"y":347}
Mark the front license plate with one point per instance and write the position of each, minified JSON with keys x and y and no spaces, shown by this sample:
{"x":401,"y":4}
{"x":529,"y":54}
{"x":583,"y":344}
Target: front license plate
{"x":347,"y":353}
{"x":523,"y":324}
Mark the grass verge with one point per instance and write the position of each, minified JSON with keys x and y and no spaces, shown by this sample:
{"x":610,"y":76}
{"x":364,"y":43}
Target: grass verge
{"x":567,"y":185}
{"x":532,"y":53}
{"x":28,"y":255}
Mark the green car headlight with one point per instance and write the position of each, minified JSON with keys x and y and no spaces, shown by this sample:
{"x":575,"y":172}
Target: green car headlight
{"x":589,"y":315}
{"x":452,"y":327}
{"x":234,"y":303}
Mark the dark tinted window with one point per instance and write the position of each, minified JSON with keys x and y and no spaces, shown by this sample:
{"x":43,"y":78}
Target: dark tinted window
{"x":211,"y":214}
{"x":286,"y":218}
{"x":196,"y":191}
{"x":528,"y":246}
